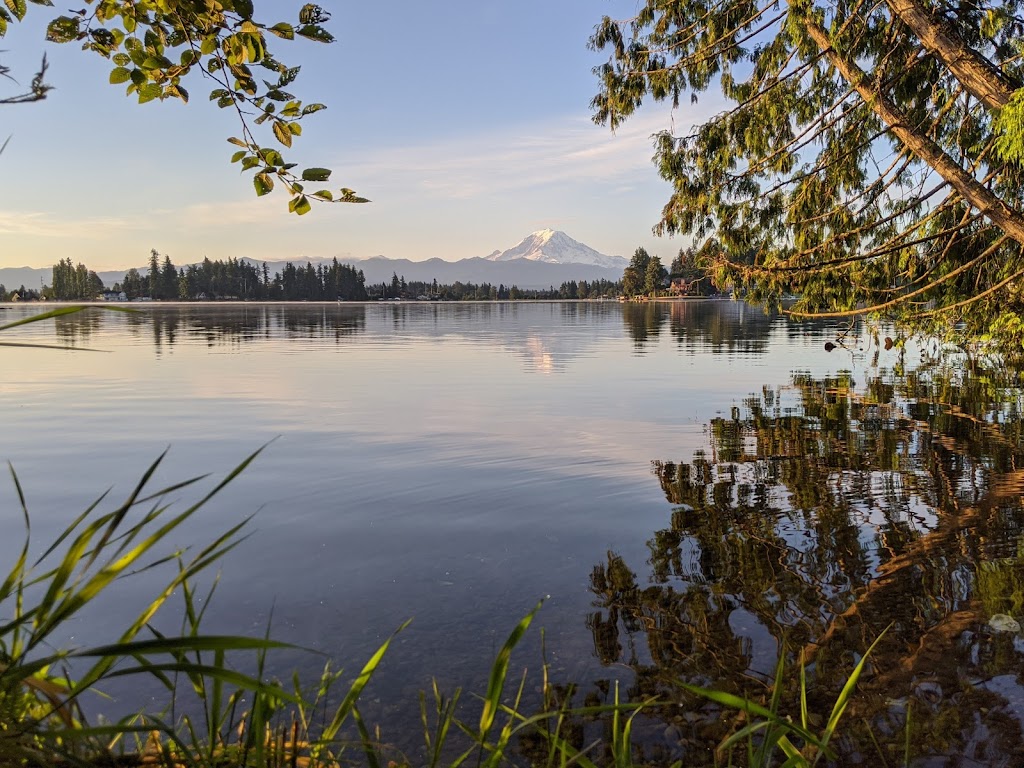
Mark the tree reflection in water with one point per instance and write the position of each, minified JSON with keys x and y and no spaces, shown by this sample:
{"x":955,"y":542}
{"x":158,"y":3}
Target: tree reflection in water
{"x":823,"y":513}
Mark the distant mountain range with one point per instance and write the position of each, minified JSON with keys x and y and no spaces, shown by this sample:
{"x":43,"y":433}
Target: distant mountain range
{"x":544,"y":258}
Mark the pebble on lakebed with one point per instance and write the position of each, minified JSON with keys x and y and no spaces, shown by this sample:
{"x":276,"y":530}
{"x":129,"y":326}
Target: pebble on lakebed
{"x":1002,"y":622}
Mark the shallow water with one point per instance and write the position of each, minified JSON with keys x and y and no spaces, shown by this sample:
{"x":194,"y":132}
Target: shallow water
{"x":691,"y":486}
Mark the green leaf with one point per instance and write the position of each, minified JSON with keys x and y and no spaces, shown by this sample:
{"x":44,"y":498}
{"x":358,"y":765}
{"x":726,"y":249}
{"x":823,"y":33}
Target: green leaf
{"x":309,"y":109}
{"x":120,"y":75}
{"x":283,"y":134}
{"x":238,"y":155}
{"x":149,"y":92}
{"x":209,"y":45}
{"x":237,"y":142}
{"x":283,"y":30}
{"x":312,"y":13}
{"x":316,"y":174}
{"x":263,"y":183}
{"x":271,"y":157}
{"x":156,"y":62}
{"x":122,"y":59}
{"x":17,"y":8}
{"x":324,"y":194}
{"x":299,"y":204}
{"x":348,"y":196}
{"x":138,"y":77}
{"x":63,"y":29}
{"x":103,"y":37}
{"x":244,"y":8}
{"x":316,"y":33}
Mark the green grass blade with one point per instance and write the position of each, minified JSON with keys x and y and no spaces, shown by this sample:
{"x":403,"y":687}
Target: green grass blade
{"x":211,"y":672}
{"x":804,"y":715}
{"x":369,"y":750}
{"x":752,"y":708}
{"x":184,"y":644}
{"x":345,"y":708}
{"x":30,"y":345}
{"x":58,"y":312}
{"x":499,"y":670}
{"x":63,"y":312}
{"x":847,"y":692}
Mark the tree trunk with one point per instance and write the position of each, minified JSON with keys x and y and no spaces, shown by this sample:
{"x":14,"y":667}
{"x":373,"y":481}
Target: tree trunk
{"x":977,"y":74}
{"x":998,"y":212}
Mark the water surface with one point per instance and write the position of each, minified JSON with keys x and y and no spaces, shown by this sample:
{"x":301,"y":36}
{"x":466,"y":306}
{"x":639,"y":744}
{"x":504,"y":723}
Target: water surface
{"x":694,"y":488}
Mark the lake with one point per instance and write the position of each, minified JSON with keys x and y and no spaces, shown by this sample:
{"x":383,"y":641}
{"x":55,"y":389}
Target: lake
{"x":692,"y":486}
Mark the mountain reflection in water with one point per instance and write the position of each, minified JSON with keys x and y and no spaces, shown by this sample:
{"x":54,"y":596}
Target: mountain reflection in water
{"x":824,"y":515}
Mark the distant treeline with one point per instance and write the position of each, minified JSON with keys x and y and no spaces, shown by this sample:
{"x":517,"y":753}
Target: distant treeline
{"x":398,"y":288}
{"x":243,"y":280}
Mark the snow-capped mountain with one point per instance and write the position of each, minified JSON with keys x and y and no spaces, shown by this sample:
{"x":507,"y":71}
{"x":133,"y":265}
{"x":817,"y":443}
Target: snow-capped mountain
{"x":553,"y":247}
{"x":544,"y":259}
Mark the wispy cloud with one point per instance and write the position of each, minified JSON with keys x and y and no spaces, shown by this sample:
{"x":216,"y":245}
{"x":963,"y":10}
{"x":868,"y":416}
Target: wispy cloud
{"x":48,"y":224}
{"x":249,"y":211}
{"x":565,"y":151}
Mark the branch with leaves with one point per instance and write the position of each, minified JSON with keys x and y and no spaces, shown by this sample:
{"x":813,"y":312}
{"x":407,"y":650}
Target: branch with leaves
{"x":155,"y":45}
{"x":869,"y":157}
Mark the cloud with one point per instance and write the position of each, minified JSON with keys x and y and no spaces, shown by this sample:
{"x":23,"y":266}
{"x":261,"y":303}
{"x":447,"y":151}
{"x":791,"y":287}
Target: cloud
{"x":564,"y":151}
{"x":249,"y":211}
{"x":49,"y":224}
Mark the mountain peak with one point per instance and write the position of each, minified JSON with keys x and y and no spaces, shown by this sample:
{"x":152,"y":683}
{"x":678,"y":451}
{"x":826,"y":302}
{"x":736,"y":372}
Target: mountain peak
{"x":556,"y":247}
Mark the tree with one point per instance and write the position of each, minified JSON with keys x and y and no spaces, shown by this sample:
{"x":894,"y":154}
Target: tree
{"x":654,"y":275}
{"x":635,"y":274}
{"x":862,"y":162}
{"x":154,"y":275}
{"x":133,"y":284}
{"x":157,"y":45}
{"x":168,"y":280}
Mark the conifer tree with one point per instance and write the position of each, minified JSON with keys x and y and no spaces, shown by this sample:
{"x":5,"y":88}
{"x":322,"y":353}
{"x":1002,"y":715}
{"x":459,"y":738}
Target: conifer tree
{"x":865,"y":158}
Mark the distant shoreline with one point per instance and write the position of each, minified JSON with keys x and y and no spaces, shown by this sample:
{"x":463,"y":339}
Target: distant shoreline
{"x":383,"y":302}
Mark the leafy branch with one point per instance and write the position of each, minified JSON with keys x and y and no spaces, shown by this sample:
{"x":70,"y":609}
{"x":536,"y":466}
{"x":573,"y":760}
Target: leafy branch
{"x":156,"y":44}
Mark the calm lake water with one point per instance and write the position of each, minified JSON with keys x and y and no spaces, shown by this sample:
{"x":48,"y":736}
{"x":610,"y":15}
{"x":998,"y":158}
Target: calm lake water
{"x":693,"y":487}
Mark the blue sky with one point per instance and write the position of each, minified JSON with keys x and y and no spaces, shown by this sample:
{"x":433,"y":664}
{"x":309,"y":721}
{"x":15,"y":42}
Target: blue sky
{"x":467,"y":122}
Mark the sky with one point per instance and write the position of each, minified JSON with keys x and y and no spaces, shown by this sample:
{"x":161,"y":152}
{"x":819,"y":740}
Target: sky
{"x":467,"y":123}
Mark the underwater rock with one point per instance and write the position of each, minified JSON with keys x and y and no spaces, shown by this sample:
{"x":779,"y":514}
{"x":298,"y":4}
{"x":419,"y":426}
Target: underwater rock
{"x":1002,"y":622}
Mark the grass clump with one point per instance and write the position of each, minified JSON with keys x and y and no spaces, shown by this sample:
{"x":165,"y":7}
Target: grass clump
{"x":243,"y":720}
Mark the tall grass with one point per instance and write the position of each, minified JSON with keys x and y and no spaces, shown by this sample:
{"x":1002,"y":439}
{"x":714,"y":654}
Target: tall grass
{"x":246,"y":720}
{"x":240,"y":719}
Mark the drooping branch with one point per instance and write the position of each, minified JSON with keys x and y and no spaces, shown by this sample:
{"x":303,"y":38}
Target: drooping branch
{"x":976,"y":194}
